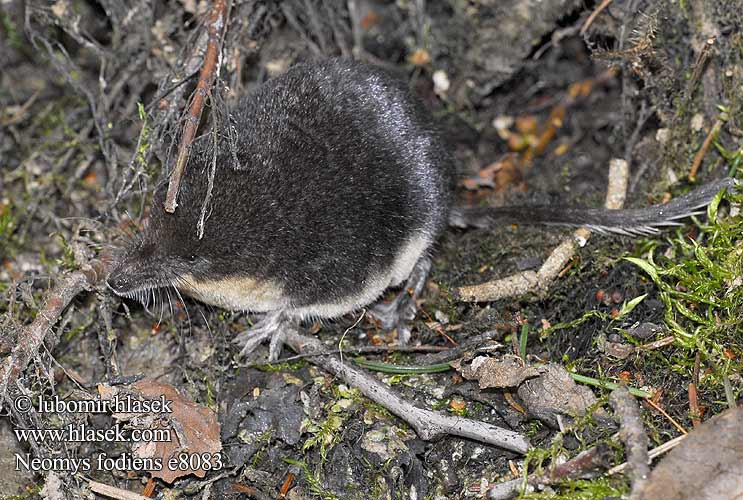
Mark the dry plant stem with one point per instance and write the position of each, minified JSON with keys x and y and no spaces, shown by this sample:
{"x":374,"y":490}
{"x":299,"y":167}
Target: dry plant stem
{"x":703,"y":150}
{"x":215,"y":25}
{"x":373,"y":349}
{"x":427,"y":424}
{"x":32,"y":337}
{"x":633,"y":436}
{"x":113,"y":492}
{"x":451,"y":353}
{"x":704,"y":53}
{"x":539,"y":281}
{"x":663,"y":412}
{"x":694,"y":409}
{"x":593,"y":16}
{"x":653,"y":454}
{"x":149,"y":488}
{"x":583,"y":464}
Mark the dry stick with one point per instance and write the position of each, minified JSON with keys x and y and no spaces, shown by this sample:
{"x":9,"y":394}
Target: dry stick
{"x":586,"y":462}
{"x":700,"y":65}
{"x":593,"y":16}
{"x":113,"y":492}
{"x":171,"y":97}
{"x":652,"y":454}
{"x":32,"y":337}
{"x":663,"y":412}
{"x":20,"y":111}
{"x":530,"y":281}
{"x":694,"y":409}
{"x":703,"y":150}
{"x":426,"y":423}
{"x":215,"y":25}
{"x":633,"y":436}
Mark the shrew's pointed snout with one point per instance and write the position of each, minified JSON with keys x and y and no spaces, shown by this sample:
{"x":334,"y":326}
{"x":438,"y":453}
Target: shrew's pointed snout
{"x":119,"y":282}
{"x":137,"y":278}
{"x":130,"y":277}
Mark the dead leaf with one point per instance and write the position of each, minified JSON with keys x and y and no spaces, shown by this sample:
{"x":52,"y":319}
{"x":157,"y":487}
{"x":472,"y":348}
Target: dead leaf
{"x":508,"y":371}
{"x":457,"y":404}
{"x":555,"y":393}
{"x":496,"y":175}
{"x":618,"y":350}
{"x":707,"y":465}
{"x":386,"y":442}
{"x":194,"y":429}
{"x":369,"y":20}
{"x":526,"y":124}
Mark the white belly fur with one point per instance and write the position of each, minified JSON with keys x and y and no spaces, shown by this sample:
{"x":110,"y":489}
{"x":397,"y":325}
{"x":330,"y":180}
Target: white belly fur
{"x":249,"y":294}
{"x":237,"y":294}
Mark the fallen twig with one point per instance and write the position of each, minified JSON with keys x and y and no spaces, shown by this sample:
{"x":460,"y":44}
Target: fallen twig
{"x":604,"y":4}
{"x":474,"y":343}
{"x":704,"y":53}
{"x":695,"y":410}
{"x":652,"y":454}
{"x":583,"y":464}
{"x":19,"y":112}
{"x":427,"y":424}
{"x":372,"y":349}
{"x":633,"y":436}
{"x":663,"y":412}
{"x":539,"y":281}
{"x":215,"y":26}
{"x":32,"y":337}
{"x":703,"y":150}
{"x":113,"y":492}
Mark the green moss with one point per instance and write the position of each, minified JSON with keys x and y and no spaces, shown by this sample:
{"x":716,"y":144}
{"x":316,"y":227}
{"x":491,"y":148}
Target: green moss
{"x":8,"y":226}
{"x":264,"y":438}
{"x":15,"y":40}
{"x":699,"y":282}
{"x":579,"y":489}
{"x":327,"y":433}
{"x":67,"y":259}
{"x":313,"y":479}
{"x":280,"y":367}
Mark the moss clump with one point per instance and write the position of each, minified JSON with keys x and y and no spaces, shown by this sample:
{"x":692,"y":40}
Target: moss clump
{"x":700,"y":282}
{"x":596,"y":489}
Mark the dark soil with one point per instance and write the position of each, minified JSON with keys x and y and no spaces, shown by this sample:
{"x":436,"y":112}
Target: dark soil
{"x":79,"y":79}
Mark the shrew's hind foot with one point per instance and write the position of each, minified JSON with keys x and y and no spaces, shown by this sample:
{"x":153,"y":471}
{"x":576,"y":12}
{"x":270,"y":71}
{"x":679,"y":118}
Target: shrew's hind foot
{"x":272,"y":327}
{"x":401,"y":311}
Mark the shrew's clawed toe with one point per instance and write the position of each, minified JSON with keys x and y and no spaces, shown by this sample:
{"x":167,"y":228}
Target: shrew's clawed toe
{"x":273,"y":327}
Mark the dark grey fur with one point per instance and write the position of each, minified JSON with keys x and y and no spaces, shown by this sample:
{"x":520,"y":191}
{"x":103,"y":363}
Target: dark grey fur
{"x":630,"y":221}
{"x":338,"y":166}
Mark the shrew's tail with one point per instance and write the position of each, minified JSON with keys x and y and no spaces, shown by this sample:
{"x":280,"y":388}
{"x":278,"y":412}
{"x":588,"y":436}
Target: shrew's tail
{"x":632,"y":221}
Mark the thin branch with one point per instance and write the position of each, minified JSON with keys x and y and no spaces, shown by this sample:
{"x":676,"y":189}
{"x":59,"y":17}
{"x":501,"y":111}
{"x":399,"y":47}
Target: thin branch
{"x":652,"y":454}
{"x":633,"y":436}
{"x":582,"y":465}
{"x":32,"y":337}
{"x":604,"y":4}
{"x":427,"y":424}
{"x":711,"y":136}
{"x":113,"y":492}
{"x":215,"y":26}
